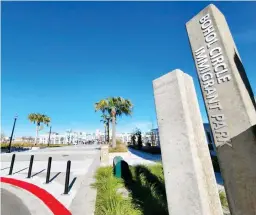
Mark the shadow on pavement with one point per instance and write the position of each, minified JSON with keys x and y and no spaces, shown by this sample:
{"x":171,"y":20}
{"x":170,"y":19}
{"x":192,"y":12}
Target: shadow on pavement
{"x":145,"y":155}
{"x":71,"y":184}
{"x":20,"y":170}
{"x":5,"y":168}
{"x":54,"y":177}
{"x":14,"y":149}
{"x":37,"y":173}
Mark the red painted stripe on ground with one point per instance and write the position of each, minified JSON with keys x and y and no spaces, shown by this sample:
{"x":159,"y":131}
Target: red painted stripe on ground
{"x":52,"y":203}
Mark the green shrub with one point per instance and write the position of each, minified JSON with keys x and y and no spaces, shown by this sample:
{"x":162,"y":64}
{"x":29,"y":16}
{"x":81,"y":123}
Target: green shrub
{"x":108,"y":201}
{"x":139,"y":141}
{"x":223,"y":199}
{"x":133,"y":140}
{"x":148,"y":189}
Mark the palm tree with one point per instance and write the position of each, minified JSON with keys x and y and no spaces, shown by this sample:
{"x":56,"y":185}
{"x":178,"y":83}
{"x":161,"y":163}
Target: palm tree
{"x":114,"y":106}
{"x":106,"y":119}
{"x":38,"y":119}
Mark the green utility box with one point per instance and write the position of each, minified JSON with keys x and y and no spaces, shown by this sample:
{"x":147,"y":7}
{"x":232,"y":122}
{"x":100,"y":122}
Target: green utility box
{"x":117,"y":165}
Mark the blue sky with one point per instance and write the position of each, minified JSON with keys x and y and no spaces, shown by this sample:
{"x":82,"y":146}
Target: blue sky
{"x":59,"y":58}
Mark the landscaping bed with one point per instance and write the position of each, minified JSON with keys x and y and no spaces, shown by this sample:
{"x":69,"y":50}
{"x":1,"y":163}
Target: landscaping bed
{"x":143,"y":193}
{"x":146,"y":192}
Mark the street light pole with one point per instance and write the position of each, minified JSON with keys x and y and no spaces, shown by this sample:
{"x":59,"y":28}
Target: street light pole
{"x":49,"y":139}
{"x":15,"y":118}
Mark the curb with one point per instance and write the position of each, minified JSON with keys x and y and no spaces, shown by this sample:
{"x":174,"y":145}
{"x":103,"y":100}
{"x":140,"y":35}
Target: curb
{"x":49,"y":200}
{"x":85,"y":199}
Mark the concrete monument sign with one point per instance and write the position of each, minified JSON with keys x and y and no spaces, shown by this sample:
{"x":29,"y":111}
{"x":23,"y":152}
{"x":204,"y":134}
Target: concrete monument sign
{"x":189,"y":178}
{"x":230,"y":106}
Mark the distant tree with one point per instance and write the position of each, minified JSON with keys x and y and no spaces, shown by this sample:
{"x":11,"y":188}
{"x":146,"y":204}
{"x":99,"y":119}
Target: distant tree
{"x":133,"y":140}
{"x":152,"y":136}
{"x":62,"y":140}
{"x":106,"y":120}
{"x":139,"y":138}
{"x":39,"y":119}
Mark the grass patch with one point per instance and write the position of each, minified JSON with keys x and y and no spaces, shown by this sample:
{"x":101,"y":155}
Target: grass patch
{"x":148,"y":189}
{"x":52,"y":145}
{"x":29,"y":145}
{"x":146,"y":192}
{"x":108,"y":201}
{"x":120,"y":147}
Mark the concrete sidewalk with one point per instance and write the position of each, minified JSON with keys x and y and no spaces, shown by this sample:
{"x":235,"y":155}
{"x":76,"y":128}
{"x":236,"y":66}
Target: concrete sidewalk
{"x":135,"y":157}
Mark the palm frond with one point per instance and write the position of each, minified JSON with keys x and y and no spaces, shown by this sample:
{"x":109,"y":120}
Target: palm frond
{"x":39,"y":118}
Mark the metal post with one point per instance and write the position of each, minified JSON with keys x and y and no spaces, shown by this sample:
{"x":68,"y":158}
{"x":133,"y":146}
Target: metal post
{"x":30,"y":166}
{"x":12,"y":164}
{"x":15,"y":118}
{"x":49,"y":139}
{"x":48,"y":170}
{"x":67,"y":177}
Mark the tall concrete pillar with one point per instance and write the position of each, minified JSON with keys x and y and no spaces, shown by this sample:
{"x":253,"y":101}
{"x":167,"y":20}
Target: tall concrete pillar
{"x":230,"y":106}
{"x":189,"y":178}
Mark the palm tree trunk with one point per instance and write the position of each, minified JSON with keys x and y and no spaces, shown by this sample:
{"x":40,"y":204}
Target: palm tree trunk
{"x":36,"y":136}
{"x":108,"y":132}
{"x":113,"y":131}
{"x":37,"y":128}
{"x":105,"y":133}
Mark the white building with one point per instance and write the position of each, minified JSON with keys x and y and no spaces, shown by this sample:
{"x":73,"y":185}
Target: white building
{"x":69,"y":137}
{"x":124,"y":137}
{"x":154,"y":135}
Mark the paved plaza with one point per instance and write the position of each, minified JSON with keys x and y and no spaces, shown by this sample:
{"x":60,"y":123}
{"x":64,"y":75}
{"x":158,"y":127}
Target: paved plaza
{"x":81,"y":197}
{"x":84,"y":160}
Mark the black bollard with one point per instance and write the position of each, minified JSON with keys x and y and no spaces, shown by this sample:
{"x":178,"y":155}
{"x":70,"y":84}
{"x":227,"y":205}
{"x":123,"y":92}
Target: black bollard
{"x":67,"y":177}
{"x":12,"y":164}
{"x":48,"y":170}
{"x":30,"y":166}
